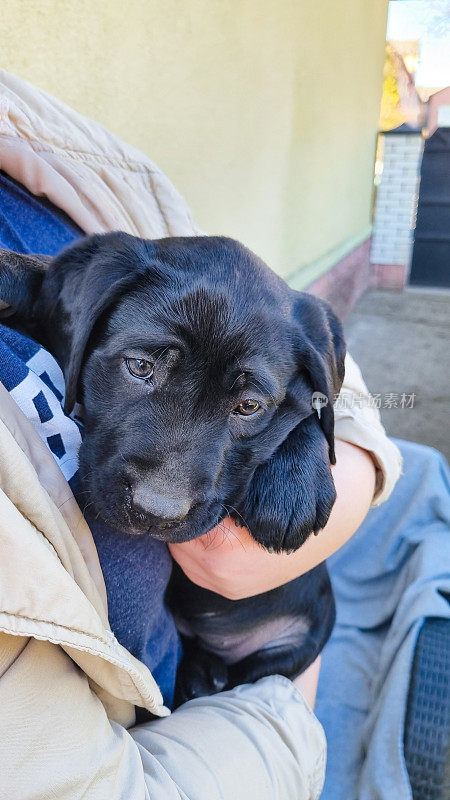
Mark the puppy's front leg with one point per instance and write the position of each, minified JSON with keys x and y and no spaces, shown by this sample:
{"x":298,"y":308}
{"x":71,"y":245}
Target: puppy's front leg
{"x":200,"y":672}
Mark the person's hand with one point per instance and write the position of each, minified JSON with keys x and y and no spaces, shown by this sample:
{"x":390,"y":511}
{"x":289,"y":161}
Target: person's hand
{"x":229,"y":562}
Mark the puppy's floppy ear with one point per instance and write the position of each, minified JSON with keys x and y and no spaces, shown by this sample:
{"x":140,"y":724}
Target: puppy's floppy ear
{"x":320,"y":349}
{"x":64,"y":297}
{"x":84,"y":280}
{"x":20,"y":281}
{"x":82,"y":328}
{"x":292,"y":493}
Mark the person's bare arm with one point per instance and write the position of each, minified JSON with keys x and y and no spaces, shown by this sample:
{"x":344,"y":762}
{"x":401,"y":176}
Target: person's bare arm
{"x":228,"y":561}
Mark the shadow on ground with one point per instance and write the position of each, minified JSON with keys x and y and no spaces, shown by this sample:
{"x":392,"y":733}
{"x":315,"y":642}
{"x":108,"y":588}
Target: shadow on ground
{"x":401,"y":341}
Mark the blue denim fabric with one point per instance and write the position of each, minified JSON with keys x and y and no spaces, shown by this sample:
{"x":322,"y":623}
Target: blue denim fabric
{"x":391,"y":575}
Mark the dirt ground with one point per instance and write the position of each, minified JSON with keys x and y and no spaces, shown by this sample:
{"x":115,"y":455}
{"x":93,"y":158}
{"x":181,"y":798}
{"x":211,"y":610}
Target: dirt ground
{"x":401,"y":341}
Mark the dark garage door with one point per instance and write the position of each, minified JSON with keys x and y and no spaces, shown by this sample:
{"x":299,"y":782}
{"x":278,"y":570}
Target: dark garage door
{"x":431,"y":252}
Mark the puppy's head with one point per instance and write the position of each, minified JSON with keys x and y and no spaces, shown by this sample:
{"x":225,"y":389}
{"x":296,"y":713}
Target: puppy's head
{"x":194,"y":363}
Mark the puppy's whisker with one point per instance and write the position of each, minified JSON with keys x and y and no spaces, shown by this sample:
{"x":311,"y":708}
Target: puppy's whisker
{"x":160,"y":355}
{"x":236,"y":379}
{"x":122,"y":458}
{"x":88,"y":474}
{"x":224,"y":532}
{"x":212,"y":536}
{"x":227,"y":509}
{"x":88,"y":505}
{"x":228,"y":532}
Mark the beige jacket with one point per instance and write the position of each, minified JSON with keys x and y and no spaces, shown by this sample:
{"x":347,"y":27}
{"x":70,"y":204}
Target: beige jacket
{"x":67,"y":688}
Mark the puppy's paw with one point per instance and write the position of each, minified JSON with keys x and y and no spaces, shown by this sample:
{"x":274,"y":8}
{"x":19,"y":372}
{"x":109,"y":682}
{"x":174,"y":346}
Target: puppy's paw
{"x":283,"y":525}
{"x":292,"y":494}
{"x":199,"y":674}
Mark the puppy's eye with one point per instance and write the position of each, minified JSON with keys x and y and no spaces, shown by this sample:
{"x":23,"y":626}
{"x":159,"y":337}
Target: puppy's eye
{"x":247,"y":408}
{"x":139,"y":367}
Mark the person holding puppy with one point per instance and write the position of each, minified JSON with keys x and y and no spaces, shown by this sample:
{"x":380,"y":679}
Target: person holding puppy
{"x":69,"y":688}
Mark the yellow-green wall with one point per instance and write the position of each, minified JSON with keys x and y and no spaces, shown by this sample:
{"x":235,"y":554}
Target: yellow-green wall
{"x":262,"y":112}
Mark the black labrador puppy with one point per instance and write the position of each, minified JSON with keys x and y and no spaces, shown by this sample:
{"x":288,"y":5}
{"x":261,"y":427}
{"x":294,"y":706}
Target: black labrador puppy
{"x":196,"y":367}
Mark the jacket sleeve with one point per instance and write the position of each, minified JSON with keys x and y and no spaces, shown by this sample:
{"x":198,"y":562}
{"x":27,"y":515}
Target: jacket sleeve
{"x":255,"y":742}
{"x":357,"y":420}
{"x":258,"y":742}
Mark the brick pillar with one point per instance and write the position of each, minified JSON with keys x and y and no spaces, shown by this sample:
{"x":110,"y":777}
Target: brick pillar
{"x":395,"y":209}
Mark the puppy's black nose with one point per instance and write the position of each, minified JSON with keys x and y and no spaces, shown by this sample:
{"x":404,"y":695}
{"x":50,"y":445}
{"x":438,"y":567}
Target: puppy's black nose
{"x":165,"y":507}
